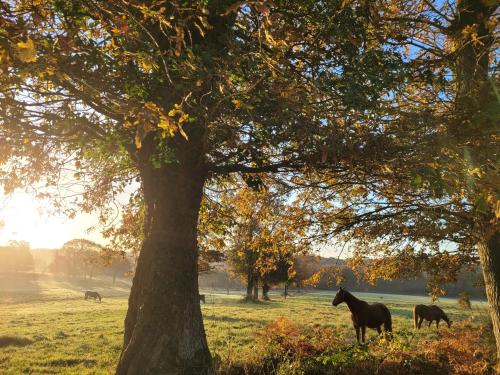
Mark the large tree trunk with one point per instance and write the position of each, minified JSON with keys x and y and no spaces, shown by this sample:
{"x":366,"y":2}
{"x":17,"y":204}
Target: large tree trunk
{"x":164,"y":331}
{"x":489,"y":254}
{"x":475,"y":98}
{"x":256,"y":289}
{"x":265,"y":291}
{"x":249,"y":296}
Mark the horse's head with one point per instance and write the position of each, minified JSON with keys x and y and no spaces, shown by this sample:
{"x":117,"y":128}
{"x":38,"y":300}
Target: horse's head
{"x":448,"y":321}
{"x":339,"y":297}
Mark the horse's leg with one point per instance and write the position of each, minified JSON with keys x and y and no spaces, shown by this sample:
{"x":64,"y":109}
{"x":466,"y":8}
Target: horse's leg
{"x":421,"y":319}
{"x":379,"y":330}
{"x":357,"y":333}
{"x":430,"y":322}
{"x":363,"y":330}
{"x":437,"y":324}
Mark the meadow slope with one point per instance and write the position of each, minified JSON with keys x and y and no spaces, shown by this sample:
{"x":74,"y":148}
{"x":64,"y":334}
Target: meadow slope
{"x":46,"y":326}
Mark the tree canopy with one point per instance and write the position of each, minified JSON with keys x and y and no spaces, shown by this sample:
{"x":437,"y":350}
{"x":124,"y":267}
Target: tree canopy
{"x":390,"y":107}
{"x":256,"y":230}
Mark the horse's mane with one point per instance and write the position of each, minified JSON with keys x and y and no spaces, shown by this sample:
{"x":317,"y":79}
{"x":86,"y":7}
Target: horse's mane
{"x":353,"y":300}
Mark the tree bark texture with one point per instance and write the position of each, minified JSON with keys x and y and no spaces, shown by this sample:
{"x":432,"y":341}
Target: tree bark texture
{"x":256,"y":289}
{"x":265,"y":291}
{"x":475,"y":95}
{"x":489,"y":254}
{"x":249,"y":295}
{"x":164,"y":331}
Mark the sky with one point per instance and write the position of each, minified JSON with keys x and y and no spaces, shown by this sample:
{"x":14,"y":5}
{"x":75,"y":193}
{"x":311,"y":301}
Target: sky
{"x":28,"y":219}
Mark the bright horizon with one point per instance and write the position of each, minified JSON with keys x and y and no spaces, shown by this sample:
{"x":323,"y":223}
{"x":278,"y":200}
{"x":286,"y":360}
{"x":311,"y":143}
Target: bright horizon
{"x":26,"y":218}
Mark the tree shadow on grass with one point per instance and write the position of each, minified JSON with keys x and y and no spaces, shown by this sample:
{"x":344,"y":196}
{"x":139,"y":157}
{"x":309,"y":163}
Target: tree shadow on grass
{"x":14,"y":341}
{"x":121,"y":288}
{"x":402,"y":313}
{"x":69,"y":362}
{"x":229,"y":319}
{"x":27,"y":287}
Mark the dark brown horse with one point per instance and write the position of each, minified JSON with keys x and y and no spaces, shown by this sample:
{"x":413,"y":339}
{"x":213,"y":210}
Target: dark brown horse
{"x":429,"y":313}
{"x":364,"y":314}
{"x":94,"y":295}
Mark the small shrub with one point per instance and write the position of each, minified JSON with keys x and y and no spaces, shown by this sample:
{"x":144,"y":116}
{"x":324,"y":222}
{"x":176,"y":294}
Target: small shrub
{"x":286,"y":348}
{"x":69,"y":362}
{"x":464,"y":300}
{"x":60,"y":335}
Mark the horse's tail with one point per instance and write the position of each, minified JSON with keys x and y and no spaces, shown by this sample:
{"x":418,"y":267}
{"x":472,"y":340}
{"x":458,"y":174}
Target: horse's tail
{"x":415,"y":317}
{"x":388,"y":325}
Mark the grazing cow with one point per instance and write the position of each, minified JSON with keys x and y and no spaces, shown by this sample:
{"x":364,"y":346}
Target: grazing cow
{"x":429,"y":313}
{"x":202,"y":298}
{"x":94,"y":295}
{"x":364,"y":314}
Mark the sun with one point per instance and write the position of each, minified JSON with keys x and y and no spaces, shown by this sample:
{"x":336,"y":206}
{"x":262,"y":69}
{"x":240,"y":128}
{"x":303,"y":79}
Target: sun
{"x":29,"y":219}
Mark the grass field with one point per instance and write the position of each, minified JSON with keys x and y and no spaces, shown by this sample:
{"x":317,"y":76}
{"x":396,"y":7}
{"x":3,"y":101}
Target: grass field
{"x":46,"y":327}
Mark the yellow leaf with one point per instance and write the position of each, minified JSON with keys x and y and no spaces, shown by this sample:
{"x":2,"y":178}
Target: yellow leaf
{"x":183,"y":118}
{"x":164,"y":122}
{"x":174,"y":110}
{"x":269,"y":38}
{"x":25,"y":51}
{"x":236,"y":102}
{"x":138,"y":142}
{"x":147,"y":64}
{"x":359,"y":190}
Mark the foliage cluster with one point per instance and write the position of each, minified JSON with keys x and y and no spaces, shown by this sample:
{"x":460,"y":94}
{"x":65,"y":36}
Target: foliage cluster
{"x":256,"y":231}
{"x":16,"y":257}
{"x":284,"y":347}
{"x":81,"y":257}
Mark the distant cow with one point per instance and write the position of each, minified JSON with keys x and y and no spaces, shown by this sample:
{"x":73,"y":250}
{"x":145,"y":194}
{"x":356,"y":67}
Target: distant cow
{"x":202,"y":298}
{"x":429,"y":313}
{"x":94,"y":295}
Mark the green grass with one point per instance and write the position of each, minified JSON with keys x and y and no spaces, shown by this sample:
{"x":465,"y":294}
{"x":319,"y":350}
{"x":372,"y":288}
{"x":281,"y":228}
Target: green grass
{"x":46,"y":327}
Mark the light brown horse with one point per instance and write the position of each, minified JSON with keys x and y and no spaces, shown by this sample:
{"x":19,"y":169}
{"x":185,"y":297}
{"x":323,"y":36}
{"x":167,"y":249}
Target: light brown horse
{"x":364,"y":314}
{"x":429,"y":313}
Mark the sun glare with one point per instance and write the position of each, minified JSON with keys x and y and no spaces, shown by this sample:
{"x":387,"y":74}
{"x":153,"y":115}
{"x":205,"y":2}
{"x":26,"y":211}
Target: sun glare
{"x":29,"y":219}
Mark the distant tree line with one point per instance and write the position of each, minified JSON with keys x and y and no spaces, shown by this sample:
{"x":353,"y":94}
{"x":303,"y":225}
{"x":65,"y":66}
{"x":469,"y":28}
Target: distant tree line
{"x":87,"y":259}
{"x":76,"y":258}
{"x":16,"y":257}
{"x":311,"y":272}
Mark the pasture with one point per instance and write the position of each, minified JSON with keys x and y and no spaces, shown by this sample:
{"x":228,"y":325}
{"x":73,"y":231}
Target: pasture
{"x":46,"y":326}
